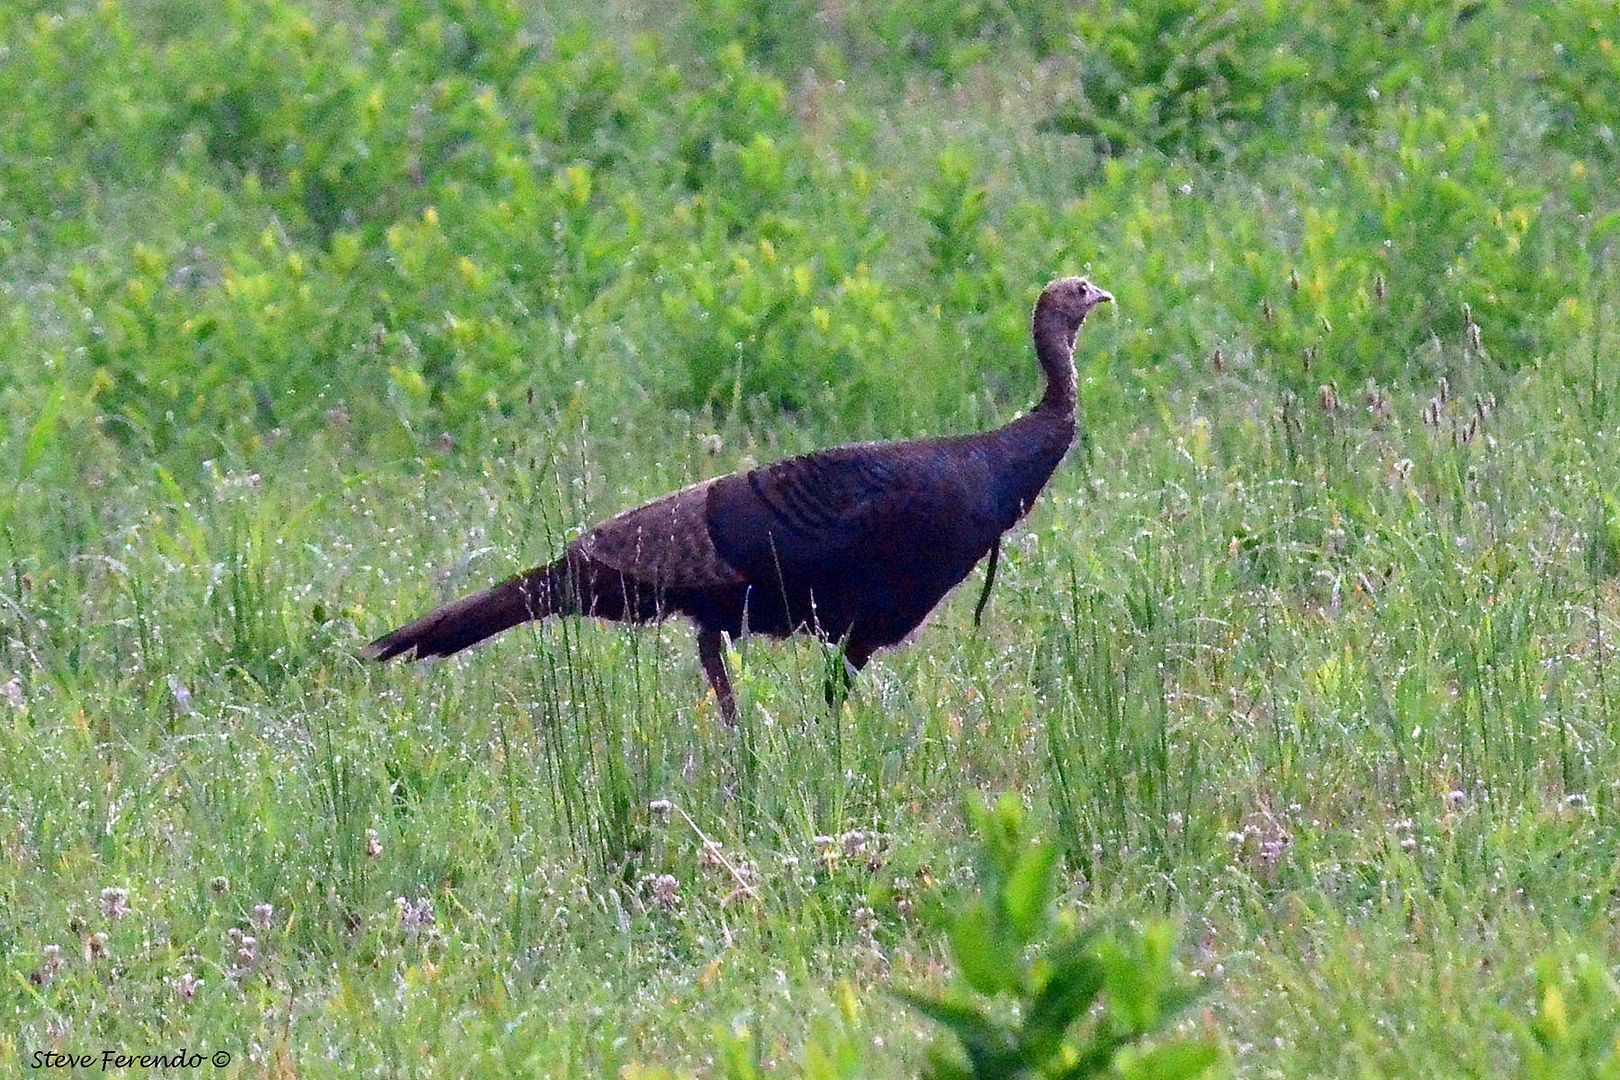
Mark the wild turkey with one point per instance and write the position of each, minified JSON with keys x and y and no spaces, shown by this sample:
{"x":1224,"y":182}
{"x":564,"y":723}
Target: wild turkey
{"x":856,"y":544}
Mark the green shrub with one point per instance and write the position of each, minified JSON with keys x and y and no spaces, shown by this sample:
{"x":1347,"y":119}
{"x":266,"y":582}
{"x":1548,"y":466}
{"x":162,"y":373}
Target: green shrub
{"x":1577,"y":1016}
{"x":1032,"y":981}
{"x":256,"y":212}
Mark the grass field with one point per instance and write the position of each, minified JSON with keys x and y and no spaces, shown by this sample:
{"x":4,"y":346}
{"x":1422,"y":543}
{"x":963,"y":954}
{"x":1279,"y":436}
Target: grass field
{"x":314,"y":315}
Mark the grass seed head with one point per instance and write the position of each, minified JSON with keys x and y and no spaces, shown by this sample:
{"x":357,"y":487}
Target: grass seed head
{"x":50,"y":963}
{"x":115,"y":903}
{"x":666,"y":892}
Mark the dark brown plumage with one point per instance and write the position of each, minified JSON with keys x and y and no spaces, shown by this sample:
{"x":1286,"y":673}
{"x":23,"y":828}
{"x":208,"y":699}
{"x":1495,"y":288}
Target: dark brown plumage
{"x":856,"y":544}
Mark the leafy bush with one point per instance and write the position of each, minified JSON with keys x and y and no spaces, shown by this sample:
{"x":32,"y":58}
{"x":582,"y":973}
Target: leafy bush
{"x":1175,"y":75}
{"x":1033,"y":983}
{"x":1200,"y":80}
{"x":1579,"y":71}
{"x":257,"y":212}
{"x":1577,"y":1016}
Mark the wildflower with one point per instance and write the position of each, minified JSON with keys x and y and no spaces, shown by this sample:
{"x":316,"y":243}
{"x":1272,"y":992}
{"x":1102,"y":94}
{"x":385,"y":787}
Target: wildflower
{"x":374,"y":848}
{"x":337,"y":418}
{"x":747,"y":879}
{"x":415,"y":917}
{"x":712,"y":859}
{"x":220,"y":885}
{"x":181,"y":695}
{"x":865,"y":919}
{"x":1378,"y":406}
{"x":241,"y":482}
{"x":247,"y":953}
{"x":263,"y":915}
{"x":854,"y":843}
{"x":661,"y":807}
{"x":666,"y":892}
{"x":1572,"y":804}
{"x":1271,"y":851}
{"x":50,"y":962}
{"x":711,"y":444}
{"x":1261,"y":848}
{"x":1408,"y":844}
{"x":1456,"y":798}
{"x":188,"y":985}
{"x":12,"y":692}
{"x":95,"y":946}
{"x":115,"y":903}
{"x":1327,"y":396}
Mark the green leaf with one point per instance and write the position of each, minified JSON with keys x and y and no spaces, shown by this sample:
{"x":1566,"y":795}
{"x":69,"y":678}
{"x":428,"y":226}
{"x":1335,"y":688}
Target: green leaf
{"x":989,"y":963}
{"x":1029,"y":889}
{"x":1176,"y":1062}
{"x":1134,"y":984}
{"x":739,"y":1049}
{"x":40,"y":435}
{"x":941,"y":1066}
{"x":1069,"y":991}
{"x":1606,"y":226}
{"x":989,"y":1046}
{"x":1096,"y":1056}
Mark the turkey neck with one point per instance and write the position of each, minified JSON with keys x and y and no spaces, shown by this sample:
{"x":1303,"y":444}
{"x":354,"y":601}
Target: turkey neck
{"x":1023,"y":454}
{"x":1054,"y":335}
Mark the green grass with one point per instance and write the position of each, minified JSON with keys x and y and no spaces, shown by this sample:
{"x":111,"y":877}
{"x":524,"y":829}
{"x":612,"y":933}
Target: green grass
{"x":312,"y":316}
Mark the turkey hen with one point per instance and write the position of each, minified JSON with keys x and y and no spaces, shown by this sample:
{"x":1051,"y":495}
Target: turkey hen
{"x":856,"y":544}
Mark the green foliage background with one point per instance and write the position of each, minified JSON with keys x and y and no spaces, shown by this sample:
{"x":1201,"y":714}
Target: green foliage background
{"x":312,"y":314}
{"x":224,"y":219}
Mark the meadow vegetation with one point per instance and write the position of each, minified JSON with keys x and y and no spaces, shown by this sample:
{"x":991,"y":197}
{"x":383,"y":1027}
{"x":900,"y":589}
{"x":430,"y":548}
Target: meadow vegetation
{"x":313,"y":314}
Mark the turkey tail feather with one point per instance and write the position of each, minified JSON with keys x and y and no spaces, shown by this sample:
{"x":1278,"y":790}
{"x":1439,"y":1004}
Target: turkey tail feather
{"x":532,"y":595}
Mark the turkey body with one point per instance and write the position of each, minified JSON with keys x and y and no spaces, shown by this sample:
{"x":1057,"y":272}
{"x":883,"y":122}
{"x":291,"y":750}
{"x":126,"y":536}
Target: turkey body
{"x":855,"y":544}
